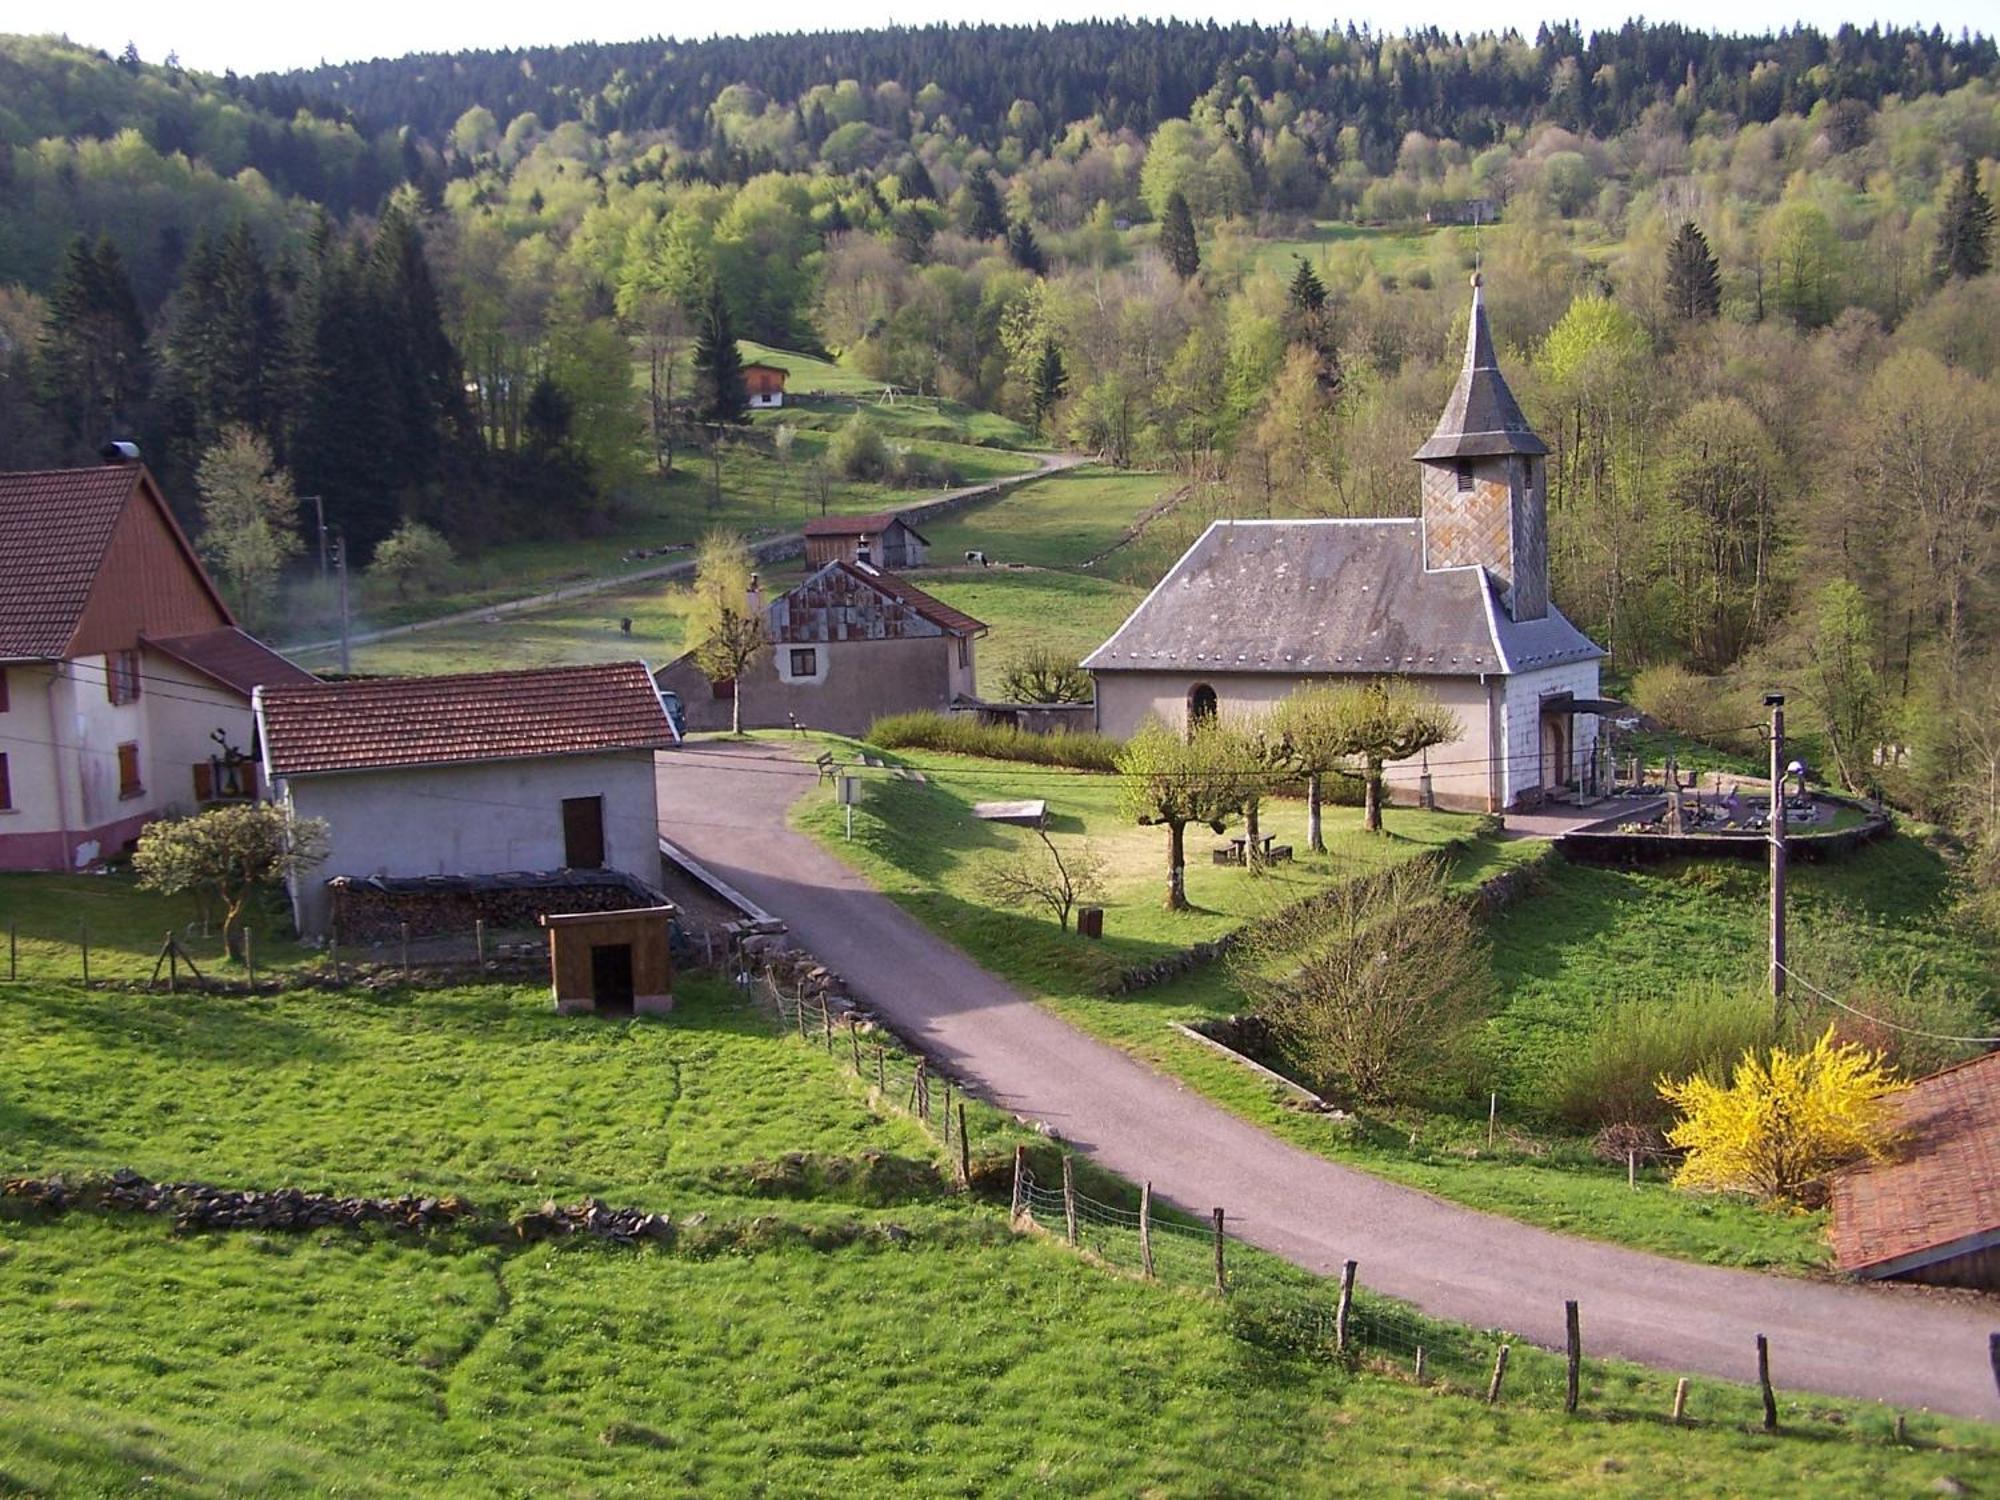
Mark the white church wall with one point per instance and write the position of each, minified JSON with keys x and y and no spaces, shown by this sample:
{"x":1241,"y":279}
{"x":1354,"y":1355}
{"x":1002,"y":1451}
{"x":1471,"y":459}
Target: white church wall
{"x":1522,"y":721}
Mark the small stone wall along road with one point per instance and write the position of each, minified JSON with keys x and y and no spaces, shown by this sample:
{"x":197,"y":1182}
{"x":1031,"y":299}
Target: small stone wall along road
{"x":726,"y":804}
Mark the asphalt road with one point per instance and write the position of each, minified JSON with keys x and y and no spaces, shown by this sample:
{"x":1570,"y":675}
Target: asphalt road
{"x":726,"y":805}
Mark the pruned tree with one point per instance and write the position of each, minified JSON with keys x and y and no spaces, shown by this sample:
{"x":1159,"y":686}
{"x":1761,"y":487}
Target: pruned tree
{"x":1171,"y":781}
{"x":1694,"y":277}
{"x":1050,"y":879}
{"x":1383,"y":721}
{"x":1371,"y":989}
{"x":1039,"y":674}
{"x":1310,"y":729}
{"x":227,"y":853}
{"x":725,"y":633}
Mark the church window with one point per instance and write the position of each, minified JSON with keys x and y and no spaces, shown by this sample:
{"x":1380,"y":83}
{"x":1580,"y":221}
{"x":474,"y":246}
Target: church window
{"x":1201,"y":705}
{"x":1464,"y":475}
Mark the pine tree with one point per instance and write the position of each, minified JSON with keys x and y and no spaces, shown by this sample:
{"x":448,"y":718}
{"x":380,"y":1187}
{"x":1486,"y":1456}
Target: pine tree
{"x":989,"y":217}
{"x":1177,"y":237}
{"x":432,"y":432}
{"x":1965,"y":232}
{"x":1023,"y":249}
{"x":916,"y":180}
{"x":1051,"y":380}
{"x":1307,"y":293}
{"x":1694,"y":280}
{"x":718,"y":365}
{"x":93,"y":363}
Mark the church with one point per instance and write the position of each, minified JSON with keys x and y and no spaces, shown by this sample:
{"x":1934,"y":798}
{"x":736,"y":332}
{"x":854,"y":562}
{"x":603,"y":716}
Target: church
{"x":1455,"y":599}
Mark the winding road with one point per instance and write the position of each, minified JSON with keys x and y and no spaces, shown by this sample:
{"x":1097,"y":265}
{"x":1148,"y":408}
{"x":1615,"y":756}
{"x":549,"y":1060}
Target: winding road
{"x":726,"y":804}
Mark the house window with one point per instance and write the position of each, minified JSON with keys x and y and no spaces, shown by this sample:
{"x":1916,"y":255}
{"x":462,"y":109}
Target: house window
{"x":129,"y":784}
{"x":121,"y":676}
{"x":6,"y":787}
{"x":805,"y":662}
{"x":1464,"y":475}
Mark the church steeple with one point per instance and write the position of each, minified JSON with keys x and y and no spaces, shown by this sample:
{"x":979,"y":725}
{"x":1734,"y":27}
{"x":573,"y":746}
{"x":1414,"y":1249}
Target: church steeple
{"x":1484,"y":503}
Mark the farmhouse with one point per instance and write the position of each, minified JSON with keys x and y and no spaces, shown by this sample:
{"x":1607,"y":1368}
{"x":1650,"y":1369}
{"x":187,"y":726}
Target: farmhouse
{"x":125,"y":682}
{"x":766,"y":385}
{"x":1456,"y":598}
{"x":1933,"y":1213}
{"x":880,"y":541}
{"x":848,"y":646}
{"x":469,"y":775}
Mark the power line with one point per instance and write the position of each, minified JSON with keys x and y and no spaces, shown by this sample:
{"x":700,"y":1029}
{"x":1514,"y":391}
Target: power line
{"x":1935,"y":1036}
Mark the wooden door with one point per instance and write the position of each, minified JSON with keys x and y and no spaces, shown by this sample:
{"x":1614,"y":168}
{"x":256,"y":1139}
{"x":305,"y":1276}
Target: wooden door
{"x":583,"y":833}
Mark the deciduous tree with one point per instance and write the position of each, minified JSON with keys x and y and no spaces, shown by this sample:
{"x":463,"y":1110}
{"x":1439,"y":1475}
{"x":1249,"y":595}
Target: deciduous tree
{"x":227,"y":853}
{"x":1172,"y":781}
{"x":1050,"y":879}
{"x":725,"y":634}
{"x":249,"y":516}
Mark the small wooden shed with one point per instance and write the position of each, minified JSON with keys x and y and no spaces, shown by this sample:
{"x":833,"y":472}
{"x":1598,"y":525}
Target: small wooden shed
{"x":615,"y":963}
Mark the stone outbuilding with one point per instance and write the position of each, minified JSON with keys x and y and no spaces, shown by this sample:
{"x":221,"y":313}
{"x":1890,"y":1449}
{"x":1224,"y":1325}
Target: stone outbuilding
{"x":849,"y":645}
{"x":477,"y":774}
{"x":1456,"y":599}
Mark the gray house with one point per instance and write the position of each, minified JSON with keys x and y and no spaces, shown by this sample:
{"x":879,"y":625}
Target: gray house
{"x":478,"y":774}
{"x":1456,"y":599}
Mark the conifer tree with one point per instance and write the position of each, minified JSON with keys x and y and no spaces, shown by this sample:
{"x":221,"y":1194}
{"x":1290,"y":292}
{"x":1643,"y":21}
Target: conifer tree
{"x":916,"y":180}
{"x":93,"y":365}
{"x":718,"y":365}
{"x":1307,"y":293}
{"x":1965,"y":232}
{"x":989,"y":216}
{"x":1177,"y":237}
{"x":1051,"y":380}
{"x":1694,"y":280}
{"x":1023,"y":250}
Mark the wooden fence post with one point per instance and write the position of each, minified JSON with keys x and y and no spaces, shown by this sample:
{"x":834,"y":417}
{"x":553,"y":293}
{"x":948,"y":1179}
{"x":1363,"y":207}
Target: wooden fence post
{"x":798,"y":1010}
{"x":333,"y":954}
{"x":1993,"y":1355}
{"x":1632,"y":1169}
{"x":1492,"y":1117}
{"x":172,"y":950}
{"x":1069,"y":1201}
{"x":1680,"y":1400}
{"x":83,"y":946}
{"x":1499,"y":1373}
{"x":1146,"y":1230}
{"x":249,"y":958}
{"x":479,"y":940}
{"x":1221,"y":1276}
{"x":947,"y":1114}
{"x":1764,"y":1383}
{"x":406,"y":949}
{"x":1020,"y":1182}
{"x":854,"y":1044}
{"x":1420,"y":1364}
{"x":1573,"y":1351}
{"x":964,"y":1150}
{"x":881,"y":1072}
{"x":13,"y":952}
{"x":1345,"y":1306}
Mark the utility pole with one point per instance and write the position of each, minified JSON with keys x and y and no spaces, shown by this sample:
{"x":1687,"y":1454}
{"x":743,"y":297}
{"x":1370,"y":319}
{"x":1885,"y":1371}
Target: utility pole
{"x":319,"y":508}
{"x":340,"y":562}
{"x":1776,"y":703}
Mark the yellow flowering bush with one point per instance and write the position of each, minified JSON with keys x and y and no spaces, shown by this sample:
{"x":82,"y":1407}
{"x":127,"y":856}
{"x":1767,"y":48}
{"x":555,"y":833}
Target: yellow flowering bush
{"x":1784,"y":1121}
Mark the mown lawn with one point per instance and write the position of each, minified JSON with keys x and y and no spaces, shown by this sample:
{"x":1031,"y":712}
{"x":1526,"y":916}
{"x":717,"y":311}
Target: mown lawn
{"x":1061,"y":521}
{"x":50,"y":916}
{"x":1582,"y":942}
{"x":250,"y":1364}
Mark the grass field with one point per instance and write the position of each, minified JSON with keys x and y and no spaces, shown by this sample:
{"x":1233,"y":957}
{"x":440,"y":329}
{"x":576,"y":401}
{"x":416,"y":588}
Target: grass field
{"x":1057,"y":522}
{"x":1583,"y":942}
{"x":835,"y":1342}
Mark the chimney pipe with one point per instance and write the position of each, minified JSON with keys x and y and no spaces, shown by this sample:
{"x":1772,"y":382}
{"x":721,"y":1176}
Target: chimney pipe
{"x":119,"y":452}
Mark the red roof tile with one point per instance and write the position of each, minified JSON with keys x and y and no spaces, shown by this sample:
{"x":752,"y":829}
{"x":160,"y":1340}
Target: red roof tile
{"x":940,"y":614}
{"x":1943,"y":1188}
{"x":873,"y":525}
{"x":234,"y":659}
{"x":54,"y":527}
{"x":426,"y":721}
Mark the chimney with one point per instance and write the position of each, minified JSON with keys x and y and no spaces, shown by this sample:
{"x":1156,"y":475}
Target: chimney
{"x":119,"y":452}
{"x":754,"y":597}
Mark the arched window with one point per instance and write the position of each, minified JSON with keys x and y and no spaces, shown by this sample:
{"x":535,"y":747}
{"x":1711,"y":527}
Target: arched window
{"x":1200,"y":705}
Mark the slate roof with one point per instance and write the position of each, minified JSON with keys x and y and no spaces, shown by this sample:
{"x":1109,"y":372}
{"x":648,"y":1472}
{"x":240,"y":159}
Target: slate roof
{"x":479,"y":716}
{"x":232,"y":658}
{"x":1330,"y":596}
{"x":55,"y":525}
{"x":873,"y":525}
{"x":1942,"y":1195}
{"x":1482,"y":417}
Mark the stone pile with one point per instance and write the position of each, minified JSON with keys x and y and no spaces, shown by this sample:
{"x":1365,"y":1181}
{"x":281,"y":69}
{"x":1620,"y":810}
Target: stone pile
{"x":593,"y":1217}
{"x":200,"y":1205}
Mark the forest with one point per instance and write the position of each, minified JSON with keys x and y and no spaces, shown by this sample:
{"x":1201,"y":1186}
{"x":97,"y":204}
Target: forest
{"x":1743,"y":286}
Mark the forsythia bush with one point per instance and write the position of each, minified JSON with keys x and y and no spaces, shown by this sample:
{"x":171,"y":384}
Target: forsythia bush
{"x":1785,"y":1122}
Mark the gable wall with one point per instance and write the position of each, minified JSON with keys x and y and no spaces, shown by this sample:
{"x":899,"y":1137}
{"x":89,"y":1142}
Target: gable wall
{"x":146,"y":584}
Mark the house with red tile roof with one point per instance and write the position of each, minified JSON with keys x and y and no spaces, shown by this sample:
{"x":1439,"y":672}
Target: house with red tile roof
{"x":1931,"y":1213}
{"x":125,"y":681}
{"x":482,"y":773}
{"x":850,"y":645}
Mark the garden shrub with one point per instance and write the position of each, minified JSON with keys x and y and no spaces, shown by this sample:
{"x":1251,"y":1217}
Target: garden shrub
{"x":1613,"y":1078}
{"x":857,"y":451}
{"x":1708,"y":709}
{"x":963,"y":734}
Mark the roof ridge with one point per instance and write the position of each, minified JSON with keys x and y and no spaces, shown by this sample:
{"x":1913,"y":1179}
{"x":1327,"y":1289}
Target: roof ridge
{"x":516,"y":674}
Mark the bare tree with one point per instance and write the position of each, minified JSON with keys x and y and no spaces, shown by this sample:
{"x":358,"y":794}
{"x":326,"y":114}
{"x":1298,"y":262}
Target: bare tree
{"x":1371,"y":990}
{"x":1053,"y":879}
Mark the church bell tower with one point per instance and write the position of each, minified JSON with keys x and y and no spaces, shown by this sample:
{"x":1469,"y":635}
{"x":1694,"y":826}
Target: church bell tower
{"x":1484,"y":481}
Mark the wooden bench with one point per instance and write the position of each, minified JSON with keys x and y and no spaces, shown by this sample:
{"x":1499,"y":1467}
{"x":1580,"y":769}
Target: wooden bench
{"x":828,"y":770}
{"x":1278,"y":854}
